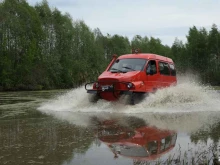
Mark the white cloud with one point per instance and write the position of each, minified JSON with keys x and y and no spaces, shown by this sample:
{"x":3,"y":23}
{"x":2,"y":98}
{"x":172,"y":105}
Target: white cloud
{"x":167,"y":19}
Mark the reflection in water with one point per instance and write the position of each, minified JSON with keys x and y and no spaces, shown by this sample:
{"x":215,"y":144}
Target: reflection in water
{"x":41,"y":141}
{"x":68,"y":131}
{"x":131,"y":140}
{"x":134,"y":138}
{"x":206,"y":132}
{"x":190,"y":126}
{"x":141,"y":142}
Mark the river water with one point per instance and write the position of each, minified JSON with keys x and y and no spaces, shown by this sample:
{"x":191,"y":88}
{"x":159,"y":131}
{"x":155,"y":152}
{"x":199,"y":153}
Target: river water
{"x":176,"y":125}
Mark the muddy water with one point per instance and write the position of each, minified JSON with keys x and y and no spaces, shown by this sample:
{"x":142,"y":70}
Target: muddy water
{"x":177,"y":125}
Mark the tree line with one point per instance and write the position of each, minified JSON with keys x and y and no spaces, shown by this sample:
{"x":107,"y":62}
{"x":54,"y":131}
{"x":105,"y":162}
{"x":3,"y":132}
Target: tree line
{"x":41,"y":48}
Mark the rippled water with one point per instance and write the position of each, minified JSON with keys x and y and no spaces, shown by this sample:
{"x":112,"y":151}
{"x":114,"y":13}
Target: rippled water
{"x":177,"y":125}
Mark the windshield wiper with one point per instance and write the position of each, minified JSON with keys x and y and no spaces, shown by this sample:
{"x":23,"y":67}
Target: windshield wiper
{"x":118,"y":70}
{"x":128,"y":68}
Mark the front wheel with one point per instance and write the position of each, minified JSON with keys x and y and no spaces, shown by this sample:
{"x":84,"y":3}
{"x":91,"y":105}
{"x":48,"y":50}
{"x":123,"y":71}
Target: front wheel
{"x":131,"y":101}
{"x":136,"y":97}
{"x":94,"y":98}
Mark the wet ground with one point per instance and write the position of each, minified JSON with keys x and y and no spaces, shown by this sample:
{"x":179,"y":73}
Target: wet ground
{"x":180,"y":125}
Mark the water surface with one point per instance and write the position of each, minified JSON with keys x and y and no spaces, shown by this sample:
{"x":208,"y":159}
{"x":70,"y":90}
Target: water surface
{"x":177,"y":125}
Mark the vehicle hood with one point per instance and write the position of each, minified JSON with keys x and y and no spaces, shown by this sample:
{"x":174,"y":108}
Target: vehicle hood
{"x":128,"y":76}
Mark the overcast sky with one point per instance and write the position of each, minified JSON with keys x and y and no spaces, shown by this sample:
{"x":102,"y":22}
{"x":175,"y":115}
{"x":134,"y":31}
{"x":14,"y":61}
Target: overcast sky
{"x":164,"y":19}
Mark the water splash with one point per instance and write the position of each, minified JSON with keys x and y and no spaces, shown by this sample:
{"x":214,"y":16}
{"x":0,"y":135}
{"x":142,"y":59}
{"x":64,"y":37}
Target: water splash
{"x":187,"y":96}
{"x":187,"y":106}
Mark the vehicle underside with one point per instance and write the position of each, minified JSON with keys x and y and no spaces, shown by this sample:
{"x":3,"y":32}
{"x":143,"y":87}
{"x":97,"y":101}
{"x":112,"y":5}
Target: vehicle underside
{"x":115,"y":91}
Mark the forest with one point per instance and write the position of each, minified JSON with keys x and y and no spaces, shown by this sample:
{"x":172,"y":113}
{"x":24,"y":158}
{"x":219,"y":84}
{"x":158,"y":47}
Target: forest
{"x":41,"y":48}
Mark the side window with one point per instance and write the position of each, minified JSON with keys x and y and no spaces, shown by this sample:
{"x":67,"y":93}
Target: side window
{"x":151,"y":67}
{"x":174,"y":137}
{"x":172,"y":70}
{"x":152,"y":147}
{"x":162,"y":144}
{"x":165,"y":143}
{"x":164,"y":68}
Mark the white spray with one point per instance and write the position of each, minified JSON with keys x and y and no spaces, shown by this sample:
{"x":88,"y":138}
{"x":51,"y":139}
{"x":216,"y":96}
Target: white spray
{"x":188,"y":97}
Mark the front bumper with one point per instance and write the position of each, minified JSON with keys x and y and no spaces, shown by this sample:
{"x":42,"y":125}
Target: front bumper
{"x":108,"y":88}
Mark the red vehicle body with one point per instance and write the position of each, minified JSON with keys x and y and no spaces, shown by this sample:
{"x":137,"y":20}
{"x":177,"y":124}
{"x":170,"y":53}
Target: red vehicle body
{"x":143,"y":143}
{"x":133,"y":74}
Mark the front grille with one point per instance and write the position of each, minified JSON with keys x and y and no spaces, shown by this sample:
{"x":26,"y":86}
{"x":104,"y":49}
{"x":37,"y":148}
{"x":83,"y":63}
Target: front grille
{"x":118,"y":85}
{"x":108,"y":81}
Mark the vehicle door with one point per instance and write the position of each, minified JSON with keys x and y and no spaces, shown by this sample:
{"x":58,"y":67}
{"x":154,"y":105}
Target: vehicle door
{"x":152,"y":76}
{"x":165,"y":77}
{"x":173,"y":80}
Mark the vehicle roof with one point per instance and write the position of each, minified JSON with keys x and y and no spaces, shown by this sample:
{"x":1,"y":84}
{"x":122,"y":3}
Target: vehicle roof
{"x":147,"y":56}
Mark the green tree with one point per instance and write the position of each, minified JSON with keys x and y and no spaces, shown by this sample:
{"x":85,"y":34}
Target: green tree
{"x":180,"y":56}
{"x":141,"y":43}
{"x":19,"y":30}
{"x":214,"y":53}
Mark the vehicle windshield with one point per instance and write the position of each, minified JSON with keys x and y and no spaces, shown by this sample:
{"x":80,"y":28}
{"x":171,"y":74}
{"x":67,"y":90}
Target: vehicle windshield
{"x":128,"y":65}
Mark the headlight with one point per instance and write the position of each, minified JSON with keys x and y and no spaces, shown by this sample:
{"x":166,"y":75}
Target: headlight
{"x":129,"y":85}
{"x":97,"y":85}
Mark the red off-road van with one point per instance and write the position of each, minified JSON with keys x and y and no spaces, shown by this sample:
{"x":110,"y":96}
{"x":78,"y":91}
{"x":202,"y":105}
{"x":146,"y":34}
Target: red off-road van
{"x":134,"y":74}
{"x":143,"y":143}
